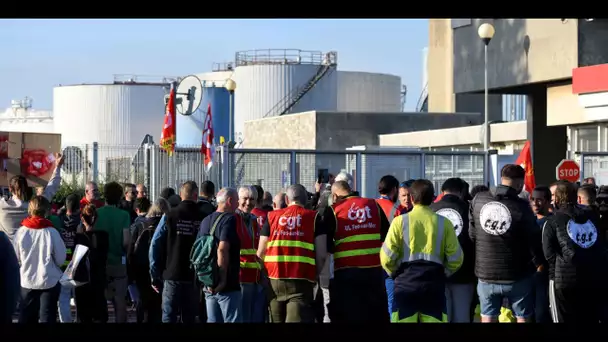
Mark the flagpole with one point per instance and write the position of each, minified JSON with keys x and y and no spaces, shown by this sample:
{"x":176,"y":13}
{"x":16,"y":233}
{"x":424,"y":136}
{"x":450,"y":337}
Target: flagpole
{"x":174,"y":110}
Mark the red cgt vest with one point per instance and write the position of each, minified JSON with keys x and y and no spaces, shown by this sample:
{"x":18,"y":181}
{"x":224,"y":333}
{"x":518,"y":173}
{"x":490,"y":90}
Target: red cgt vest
{"x":357,"y":239}
{"x":262,"y":216}
{"x":290,"y":251}
{"x":250,"y":269}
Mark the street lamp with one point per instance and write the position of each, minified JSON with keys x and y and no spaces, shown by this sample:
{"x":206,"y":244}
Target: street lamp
{"x":486,"y":32}
{"x":230,"y":86}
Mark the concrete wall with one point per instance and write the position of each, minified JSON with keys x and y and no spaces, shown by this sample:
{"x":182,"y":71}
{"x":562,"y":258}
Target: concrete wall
{"x":335,"y":130}
{"x":440,"y":76}
{"x":440,"y":66}
{"x":294,"y":131}
{"x":472,"y":135}
{"x":522,"y":51}
{"x":563,"y":107}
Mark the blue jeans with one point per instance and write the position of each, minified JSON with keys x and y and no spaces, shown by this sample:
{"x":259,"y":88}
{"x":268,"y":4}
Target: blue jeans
{"x":179,"y":297}
{"x":519,"y":294}
{"x":253,"y":303}
{"x":39,"y":305}
{"x":224,"y":307}
{"x":390,"y":287}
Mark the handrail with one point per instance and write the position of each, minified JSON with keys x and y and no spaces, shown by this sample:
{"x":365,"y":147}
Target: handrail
{"x":316,"y":79}
{"x":423,"y":95}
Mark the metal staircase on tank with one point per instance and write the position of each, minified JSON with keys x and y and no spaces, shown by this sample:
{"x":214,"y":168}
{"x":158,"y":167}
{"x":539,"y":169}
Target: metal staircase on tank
{"x":326,"y":67}
{"x":296,"y":94}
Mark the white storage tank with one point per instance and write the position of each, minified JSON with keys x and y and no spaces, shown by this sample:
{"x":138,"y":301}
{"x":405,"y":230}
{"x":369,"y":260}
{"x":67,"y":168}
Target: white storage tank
{"x":110,"y":114}
{"x":267,"y":79}
{"x":368,"y":92}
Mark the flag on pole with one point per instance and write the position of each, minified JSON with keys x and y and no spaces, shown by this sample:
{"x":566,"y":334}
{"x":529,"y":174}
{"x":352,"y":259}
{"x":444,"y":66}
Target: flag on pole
{"x":525,"y":161}
{"x":207,"y":143}
{"x":167,"y":136}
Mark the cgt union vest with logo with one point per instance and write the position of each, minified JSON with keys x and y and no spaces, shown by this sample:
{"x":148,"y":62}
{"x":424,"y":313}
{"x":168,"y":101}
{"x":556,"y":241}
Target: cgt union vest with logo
{"x":249,"y":234}
{"x":290,"y":251}
{"x":357,"y":238}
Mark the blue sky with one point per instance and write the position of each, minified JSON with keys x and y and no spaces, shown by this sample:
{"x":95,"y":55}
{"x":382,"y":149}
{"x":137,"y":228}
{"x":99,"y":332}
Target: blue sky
{"x":40,"y":54}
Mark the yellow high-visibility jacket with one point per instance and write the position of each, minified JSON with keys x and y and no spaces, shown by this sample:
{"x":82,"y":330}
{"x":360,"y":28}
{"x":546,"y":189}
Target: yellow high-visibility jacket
{"x":421,"y":234}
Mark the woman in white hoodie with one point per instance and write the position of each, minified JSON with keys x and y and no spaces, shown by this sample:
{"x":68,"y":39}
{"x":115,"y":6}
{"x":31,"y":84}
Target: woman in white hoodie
{"x":41,"y":252}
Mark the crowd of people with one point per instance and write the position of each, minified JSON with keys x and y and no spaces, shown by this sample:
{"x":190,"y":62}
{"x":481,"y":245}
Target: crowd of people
{"x":242,"y":255}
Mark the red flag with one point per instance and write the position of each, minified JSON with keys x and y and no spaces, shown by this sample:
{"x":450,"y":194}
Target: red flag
{"x":167,"y":136}
{"x":525,"y":160}
{"x":207,"y":143}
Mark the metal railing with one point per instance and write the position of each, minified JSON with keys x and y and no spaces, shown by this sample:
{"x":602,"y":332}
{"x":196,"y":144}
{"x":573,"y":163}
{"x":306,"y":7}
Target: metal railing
{"x":282,"y":56}
{"x":593,"y":164}
{"x":274,"y":170}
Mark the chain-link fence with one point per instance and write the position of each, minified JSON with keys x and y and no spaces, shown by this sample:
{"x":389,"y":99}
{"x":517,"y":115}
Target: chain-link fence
{"x":274,"y":170}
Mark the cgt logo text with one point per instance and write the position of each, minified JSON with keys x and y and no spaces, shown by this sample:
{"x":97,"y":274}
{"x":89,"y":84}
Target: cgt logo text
{"x":359,"y":214}
{"x":290,"y":222}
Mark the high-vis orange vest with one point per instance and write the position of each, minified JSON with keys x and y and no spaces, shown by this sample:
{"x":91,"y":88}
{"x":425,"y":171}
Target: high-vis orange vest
{"x":290,"y":251}
{"x":250,"y":237}
{"x":391,"y":210}
{"x":357,"y":238}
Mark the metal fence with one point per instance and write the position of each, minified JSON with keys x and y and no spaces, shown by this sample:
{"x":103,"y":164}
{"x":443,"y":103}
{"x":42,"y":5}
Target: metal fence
{"x":594,"y":164}
{"x":274,"y":170}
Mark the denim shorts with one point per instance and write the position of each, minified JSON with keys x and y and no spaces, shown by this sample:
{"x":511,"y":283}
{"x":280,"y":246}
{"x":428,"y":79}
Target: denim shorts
{"x":520,"y":297}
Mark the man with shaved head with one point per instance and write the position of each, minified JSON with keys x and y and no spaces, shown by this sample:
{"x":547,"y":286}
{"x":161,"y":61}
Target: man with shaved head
{"x":356,"y":227}
{"x":170,"y":251}
{"x":293,"y":245}
{"x":279,"y":201}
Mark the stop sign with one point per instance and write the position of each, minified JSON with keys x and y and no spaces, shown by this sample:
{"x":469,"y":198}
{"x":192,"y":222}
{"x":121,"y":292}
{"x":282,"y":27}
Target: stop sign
{"x":568,"y":170}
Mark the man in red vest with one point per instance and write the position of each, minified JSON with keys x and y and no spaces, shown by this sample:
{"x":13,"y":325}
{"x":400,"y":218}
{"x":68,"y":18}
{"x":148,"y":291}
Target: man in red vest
{"x":388,"y":188}
{"x":293,"y":245}
{"x":260,"y":210}
{"x":254,"y":301}
{"x":356,"y":227}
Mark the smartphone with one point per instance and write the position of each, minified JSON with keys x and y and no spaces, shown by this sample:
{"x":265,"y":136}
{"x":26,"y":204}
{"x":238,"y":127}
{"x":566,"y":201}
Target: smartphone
{"x":323,"y":176}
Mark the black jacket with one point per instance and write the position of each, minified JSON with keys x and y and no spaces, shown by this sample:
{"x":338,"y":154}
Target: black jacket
{"x":138,"y":262}
{"x":183,"y":223}
{"x":457,"y":211}
{"x":128,"y":207}
{"x":205,"y":206}
{"x":505,"y":235}
{"x":574,"y":248}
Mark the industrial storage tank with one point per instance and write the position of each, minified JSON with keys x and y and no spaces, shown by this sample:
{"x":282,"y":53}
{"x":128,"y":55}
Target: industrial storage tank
{"x":269,"y":81}
{"x":110,"y":114}
{"x":368,"y":92}
{"x":189,"y":129}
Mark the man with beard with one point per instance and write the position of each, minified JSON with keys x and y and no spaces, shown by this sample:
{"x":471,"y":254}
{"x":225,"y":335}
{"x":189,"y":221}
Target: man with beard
{"x":541,"y":202}
{"x":577,"y":261}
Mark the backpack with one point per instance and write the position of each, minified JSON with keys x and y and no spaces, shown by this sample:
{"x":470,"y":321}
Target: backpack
{"x":203,"y":257}
{"x":142,"y":244}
